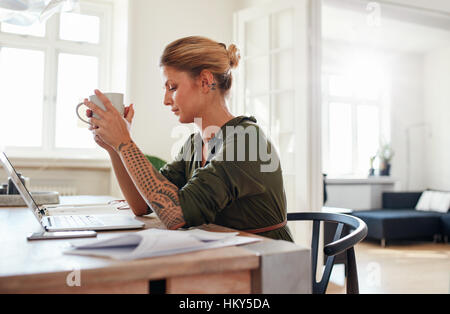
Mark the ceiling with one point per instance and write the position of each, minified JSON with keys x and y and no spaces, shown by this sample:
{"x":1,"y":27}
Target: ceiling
{"x":408,"y":33}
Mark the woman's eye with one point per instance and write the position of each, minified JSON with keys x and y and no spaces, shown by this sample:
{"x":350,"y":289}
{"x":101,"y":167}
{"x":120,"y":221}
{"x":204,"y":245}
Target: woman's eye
{"x":172,"y":88}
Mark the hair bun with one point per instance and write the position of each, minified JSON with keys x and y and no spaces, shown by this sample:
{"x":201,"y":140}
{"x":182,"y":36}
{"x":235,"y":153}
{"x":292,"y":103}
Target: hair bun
{"x":234,"y":56}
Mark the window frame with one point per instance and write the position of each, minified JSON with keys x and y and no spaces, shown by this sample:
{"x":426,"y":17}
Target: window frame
{"x":52,"y":45}
{"x":354,"y":102}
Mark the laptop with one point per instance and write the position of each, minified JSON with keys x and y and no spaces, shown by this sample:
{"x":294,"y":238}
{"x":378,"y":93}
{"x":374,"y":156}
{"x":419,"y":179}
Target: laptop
{"x":68,"y":222}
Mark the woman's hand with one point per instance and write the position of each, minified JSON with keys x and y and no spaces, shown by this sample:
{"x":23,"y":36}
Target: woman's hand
{"x":129,"y":114}
{"x":111,"y":129}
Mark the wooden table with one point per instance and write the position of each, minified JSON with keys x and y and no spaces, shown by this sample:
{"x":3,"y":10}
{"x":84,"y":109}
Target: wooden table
{"x":268,"y":266}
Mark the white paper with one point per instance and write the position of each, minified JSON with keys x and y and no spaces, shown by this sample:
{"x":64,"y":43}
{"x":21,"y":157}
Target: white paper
{"x":126,"y":240}
{"x":158,"y":242}
{"x":210,"y":236}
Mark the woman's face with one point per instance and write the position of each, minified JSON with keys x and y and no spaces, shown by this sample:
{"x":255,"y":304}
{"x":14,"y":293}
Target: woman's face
{"x":182,"y":94}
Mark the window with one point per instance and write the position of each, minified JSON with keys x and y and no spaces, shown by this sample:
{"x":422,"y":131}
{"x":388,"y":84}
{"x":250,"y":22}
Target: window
{"x":35,"y":30}
{"x":15,"y":101}
{"x":45,"y":71}
{"x":352,"y":112}
{"x":73,"y":80}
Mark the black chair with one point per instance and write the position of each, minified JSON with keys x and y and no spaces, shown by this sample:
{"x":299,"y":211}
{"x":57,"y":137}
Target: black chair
{"x":339,"y":245}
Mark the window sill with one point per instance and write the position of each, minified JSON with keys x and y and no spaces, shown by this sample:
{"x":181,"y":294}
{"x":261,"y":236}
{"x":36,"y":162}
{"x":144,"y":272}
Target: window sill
{"x":58,"y":163}
{"x":362,"y":181}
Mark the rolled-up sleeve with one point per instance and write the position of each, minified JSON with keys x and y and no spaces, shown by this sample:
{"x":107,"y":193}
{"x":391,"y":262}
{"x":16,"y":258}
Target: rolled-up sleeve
{"x":214,"y":187}
{"x":175,"y":173}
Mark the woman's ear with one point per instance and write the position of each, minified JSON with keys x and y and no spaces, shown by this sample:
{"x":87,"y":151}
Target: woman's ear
{"x":207,"y":81}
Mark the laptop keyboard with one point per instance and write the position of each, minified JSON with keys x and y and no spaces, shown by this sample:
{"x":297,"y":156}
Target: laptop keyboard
{"x":75,"y":221}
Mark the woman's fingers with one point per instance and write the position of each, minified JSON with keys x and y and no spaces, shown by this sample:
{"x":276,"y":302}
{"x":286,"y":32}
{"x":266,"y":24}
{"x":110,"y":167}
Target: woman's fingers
{"x":97,"y":139}
{"x":96,"y":123}
{"x":129,"y":113}
{"x":106,"y":102}
{"x":94,"y":108}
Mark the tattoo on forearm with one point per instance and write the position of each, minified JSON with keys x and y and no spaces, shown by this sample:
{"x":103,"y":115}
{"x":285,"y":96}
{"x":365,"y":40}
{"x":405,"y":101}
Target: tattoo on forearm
{"x":122,"y":145}
{"x":160,"y":194}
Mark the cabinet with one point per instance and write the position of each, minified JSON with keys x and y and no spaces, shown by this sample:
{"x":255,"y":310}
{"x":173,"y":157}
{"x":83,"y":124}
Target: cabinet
{"x":358,"y":194}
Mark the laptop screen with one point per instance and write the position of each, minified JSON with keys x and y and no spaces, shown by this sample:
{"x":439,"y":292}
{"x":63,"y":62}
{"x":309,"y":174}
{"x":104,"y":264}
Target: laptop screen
{"x":21,"y":187}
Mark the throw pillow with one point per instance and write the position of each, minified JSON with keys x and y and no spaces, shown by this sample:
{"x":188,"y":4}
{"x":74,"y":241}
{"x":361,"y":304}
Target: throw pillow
{"x":424,"y":201}
{"x":434,"y":201}
{"x":440,"y":202}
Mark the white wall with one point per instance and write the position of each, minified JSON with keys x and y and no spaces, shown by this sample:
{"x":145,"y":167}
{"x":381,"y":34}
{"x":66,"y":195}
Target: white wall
{"x":407,"y":121}
{"x":252,"y":3}
{"x":119,"y":46}
{"x":152,"y":25}
{"x":437,"y":116}
{"x":437,"y":106}
{"x":430,"y":134}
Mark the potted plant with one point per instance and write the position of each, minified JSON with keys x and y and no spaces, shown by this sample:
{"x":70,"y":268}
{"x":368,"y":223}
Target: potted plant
{"x":158,"y":163}
{"x":372,"y":169}
{"x":385,"y":153}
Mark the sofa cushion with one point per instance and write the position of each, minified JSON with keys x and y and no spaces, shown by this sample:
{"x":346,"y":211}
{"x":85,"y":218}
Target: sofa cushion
{"x":400,"y":200}
{"x":400,"y":224}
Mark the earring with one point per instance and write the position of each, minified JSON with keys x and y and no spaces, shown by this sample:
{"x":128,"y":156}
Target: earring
{"x":212,"y":86}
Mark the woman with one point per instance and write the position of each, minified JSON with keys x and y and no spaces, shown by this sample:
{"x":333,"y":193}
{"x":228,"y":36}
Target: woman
{"x":200,"y":186}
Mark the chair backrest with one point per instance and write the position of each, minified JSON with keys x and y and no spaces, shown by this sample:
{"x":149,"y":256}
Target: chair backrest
{"x":339,"y":245}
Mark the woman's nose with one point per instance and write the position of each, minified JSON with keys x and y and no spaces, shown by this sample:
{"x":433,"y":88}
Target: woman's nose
{"x":168,"y":101}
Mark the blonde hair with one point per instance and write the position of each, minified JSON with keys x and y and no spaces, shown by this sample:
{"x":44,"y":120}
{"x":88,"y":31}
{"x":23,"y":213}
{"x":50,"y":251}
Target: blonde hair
{"x":194,"y":54}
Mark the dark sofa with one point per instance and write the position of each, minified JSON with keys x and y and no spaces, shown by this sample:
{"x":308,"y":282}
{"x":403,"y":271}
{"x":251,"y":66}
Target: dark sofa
{"x":398,"y":219}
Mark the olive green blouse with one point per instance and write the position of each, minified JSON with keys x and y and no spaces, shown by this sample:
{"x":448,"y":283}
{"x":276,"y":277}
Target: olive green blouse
{"x":241,"y":184}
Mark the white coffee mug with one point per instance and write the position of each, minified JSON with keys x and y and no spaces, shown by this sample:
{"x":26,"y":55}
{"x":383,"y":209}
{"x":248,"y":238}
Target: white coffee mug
{"x":115,"y":98}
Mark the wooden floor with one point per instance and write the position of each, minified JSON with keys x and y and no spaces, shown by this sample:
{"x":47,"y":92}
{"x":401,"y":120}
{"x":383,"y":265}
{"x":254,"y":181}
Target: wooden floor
{"x":401,"y":267}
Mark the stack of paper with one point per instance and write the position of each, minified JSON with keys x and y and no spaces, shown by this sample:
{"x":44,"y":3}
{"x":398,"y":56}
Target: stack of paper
{"x":157,"y":242}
